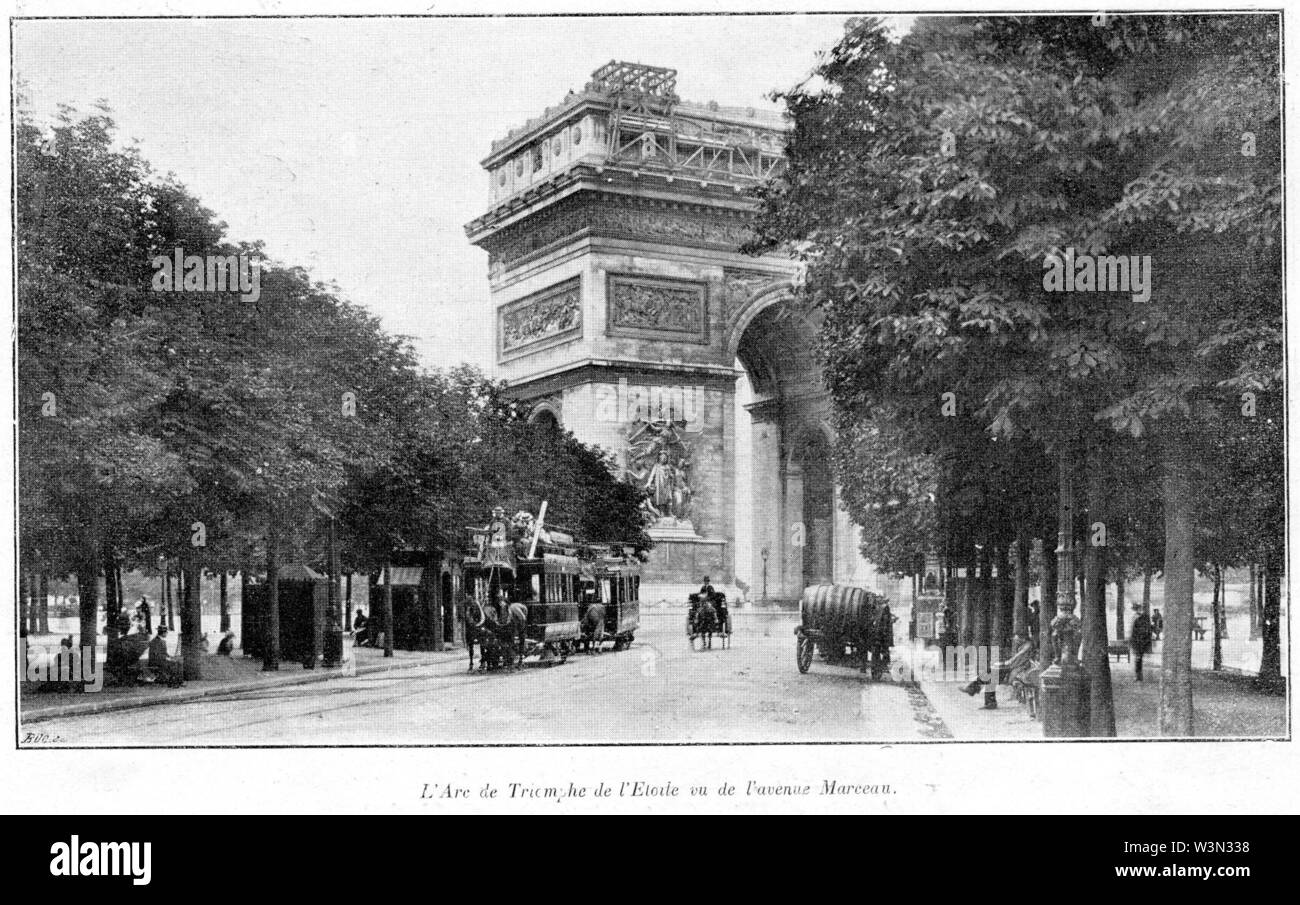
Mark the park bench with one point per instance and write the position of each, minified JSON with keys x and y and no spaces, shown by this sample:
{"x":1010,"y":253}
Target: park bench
{"x":1119,"y":649}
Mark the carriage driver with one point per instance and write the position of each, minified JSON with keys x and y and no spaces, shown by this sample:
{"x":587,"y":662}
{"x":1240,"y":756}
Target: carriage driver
{"x":706,"y":590}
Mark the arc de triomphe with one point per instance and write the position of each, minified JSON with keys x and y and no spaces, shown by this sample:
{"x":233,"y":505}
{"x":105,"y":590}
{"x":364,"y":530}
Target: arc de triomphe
{"x":622,"y":305}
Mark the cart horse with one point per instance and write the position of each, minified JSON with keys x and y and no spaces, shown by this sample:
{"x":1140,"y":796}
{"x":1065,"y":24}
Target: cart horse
{"x":848,"y":626}
{"x":708,"y":616}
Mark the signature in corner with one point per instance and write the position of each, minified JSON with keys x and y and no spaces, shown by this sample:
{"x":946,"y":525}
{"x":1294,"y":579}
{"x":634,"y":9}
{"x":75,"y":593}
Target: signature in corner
{"x":40,"y":738}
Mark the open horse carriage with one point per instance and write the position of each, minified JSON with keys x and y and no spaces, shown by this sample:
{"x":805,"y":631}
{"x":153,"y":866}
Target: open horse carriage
{"x":848,"y":626}
{"x":706,"y":618}
{"x":535,"y":595}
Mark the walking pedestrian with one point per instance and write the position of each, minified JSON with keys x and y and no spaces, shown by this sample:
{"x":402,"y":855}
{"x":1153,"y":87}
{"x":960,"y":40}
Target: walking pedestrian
{"x":1140,"y":640}
{"x":145,"y":614}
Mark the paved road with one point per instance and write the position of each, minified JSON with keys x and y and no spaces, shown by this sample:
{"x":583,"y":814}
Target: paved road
{"x":658,"y":691}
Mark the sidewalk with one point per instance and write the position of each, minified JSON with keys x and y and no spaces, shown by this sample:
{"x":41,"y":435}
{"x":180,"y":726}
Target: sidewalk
{"x":1226,"y":704}
{"x":222,"y":675}
{"x":960,"y":712}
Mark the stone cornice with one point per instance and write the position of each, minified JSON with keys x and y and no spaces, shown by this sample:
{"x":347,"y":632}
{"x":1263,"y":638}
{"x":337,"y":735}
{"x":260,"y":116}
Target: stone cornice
{"x":705,"y":196}
{"x":593,"y":370}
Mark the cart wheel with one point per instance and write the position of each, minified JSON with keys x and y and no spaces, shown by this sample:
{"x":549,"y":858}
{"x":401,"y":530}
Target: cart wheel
{"x":804,"y":654}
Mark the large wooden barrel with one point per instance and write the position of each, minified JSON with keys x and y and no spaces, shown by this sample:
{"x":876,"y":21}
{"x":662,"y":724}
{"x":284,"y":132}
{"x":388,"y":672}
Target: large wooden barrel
{"x":836,"y":610}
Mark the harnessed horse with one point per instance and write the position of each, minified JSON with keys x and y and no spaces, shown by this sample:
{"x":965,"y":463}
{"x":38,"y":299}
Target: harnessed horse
{"x":593,"y":626}
{"x":494,"y":636}
{"x":703,"y":621}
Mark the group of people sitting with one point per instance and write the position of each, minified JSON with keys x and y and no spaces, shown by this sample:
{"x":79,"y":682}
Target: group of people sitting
{"x":365,"y":632}
{"x":122,"y":665}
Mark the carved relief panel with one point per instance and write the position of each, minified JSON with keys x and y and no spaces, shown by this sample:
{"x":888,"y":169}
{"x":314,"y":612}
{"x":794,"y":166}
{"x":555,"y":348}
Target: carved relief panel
{"x":540,"y":320}
{"x":654,"y":308}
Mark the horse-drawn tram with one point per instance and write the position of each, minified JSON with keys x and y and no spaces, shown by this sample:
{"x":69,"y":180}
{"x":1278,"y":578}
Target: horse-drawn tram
{"x":614,"y":584}
{"x":848,"y":626}
{"x":536,"y":594}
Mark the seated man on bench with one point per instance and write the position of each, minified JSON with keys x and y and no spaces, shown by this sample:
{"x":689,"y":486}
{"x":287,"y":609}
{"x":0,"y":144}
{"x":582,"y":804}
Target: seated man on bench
{"x":1020,"y":662}
{"x":168,"y":669}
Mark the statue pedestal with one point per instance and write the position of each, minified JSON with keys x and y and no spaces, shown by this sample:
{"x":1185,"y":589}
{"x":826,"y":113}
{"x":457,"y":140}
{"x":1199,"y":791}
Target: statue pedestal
{"x":673,"y":531}
{"x":679,"y":561}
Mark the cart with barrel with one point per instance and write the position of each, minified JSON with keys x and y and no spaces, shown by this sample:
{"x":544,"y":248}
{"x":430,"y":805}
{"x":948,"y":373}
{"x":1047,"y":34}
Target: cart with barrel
{"x":847,"y":626}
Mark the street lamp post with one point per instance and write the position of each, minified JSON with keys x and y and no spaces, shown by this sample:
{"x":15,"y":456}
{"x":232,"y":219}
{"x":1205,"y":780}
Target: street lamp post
{"x":1063,"y":681}
{"x":764,"y":555}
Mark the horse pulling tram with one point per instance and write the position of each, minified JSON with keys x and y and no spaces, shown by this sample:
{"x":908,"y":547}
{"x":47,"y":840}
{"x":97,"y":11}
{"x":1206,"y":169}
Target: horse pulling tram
{"x":848,"y":626}
{"x":534,"y":595}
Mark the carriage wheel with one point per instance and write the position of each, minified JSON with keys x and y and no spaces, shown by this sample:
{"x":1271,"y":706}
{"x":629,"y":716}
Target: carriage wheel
{"x":804,"y":654}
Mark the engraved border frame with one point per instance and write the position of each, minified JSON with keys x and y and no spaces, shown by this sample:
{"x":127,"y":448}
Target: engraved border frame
{"x":663,"y":334}
{"x":546,"y":342}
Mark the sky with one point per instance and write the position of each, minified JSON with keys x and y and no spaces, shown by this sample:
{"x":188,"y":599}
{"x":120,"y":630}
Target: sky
{"x":352,"y":147}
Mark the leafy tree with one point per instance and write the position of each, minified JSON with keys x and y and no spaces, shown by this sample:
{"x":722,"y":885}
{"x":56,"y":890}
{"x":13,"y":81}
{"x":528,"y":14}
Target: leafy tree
{"x":930,"y":181}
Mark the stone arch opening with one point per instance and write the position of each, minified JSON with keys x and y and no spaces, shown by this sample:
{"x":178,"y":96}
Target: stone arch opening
{"x":785,"y":487}
{"x":544,"y":417}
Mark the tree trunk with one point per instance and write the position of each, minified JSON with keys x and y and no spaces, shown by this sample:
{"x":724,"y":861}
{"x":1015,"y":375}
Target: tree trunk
{"x":386,"y":618}
{"x":1254,"y":602}
{"x":1047,"y":606}
{"x":192,"y":618}
{"x":968,"y":602}
{"x":347,"y":608}
{"x":243,"y":600}
{"x":1146,"y":593}
{"x":43,"y":605}
{"x":165,"y":612}
{"x":986,"y":624}
{"x":1119,"y":600}
{"x":112,"y":597}
{"x":225,"y":604}
{"x":1176,"y":714}
{"x":1005,"y":601}
{"x":271,"y":646}
{"x":24,"y":593}
{"x":88,"y":590}
{"x":1223,"y":601}
{"x":1096,"y":649}
{"x":1216,"y":614}
{"x":1270,"y":663}
{"x":1020,"y":613}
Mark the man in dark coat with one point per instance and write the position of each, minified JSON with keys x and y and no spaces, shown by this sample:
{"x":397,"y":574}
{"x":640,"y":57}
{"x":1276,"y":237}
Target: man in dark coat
{"x":164,"y":666}
{"x":123,"y":654}
{"x":1139,"y":640}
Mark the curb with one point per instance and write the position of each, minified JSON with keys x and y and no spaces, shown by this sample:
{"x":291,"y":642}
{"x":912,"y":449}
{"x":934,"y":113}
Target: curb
{"x":321,"y":674}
